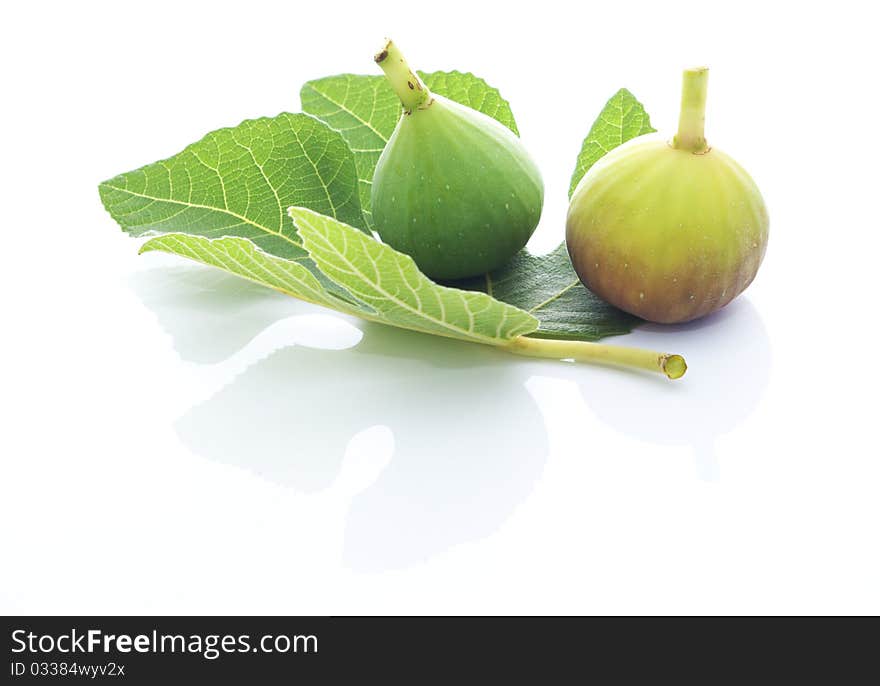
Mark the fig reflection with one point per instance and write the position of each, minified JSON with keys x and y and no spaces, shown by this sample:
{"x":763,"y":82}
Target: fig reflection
{"x":729,"y":360}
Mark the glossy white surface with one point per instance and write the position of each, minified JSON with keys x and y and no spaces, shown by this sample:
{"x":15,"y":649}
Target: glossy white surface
{"x":177,"y":441}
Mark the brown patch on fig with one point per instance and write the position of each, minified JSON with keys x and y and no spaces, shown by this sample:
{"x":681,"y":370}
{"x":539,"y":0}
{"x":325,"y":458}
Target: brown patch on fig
{"x":630,"y":283}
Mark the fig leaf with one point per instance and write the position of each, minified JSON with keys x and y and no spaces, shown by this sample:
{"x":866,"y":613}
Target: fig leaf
{"x":240,"y":181}
{"x":365,"y":110}
{"x":547,"y":287}
{"x":359,"y":276}
{"x":622,"y":119}
{"x":390,"y":283}
{"x":241,"y":257}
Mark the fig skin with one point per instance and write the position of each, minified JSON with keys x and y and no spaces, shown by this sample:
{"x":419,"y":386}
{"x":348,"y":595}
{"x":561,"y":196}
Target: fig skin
{"x":667,"y":233}
{"x":456,"y":190}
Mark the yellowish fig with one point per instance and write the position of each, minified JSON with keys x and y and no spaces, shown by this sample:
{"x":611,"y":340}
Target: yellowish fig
{"x":668,"y":230}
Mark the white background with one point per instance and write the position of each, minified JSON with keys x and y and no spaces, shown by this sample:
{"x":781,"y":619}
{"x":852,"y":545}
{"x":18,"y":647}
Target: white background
{"x":177,"y":441}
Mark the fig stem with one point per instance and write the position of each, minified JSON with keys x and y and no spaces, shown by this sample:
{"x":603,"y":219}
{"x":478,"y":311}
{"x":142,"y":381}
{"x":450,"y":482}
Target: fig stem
{"x":692,"y":118}
{"x":673,"y":366}
{"x":412,"y":92}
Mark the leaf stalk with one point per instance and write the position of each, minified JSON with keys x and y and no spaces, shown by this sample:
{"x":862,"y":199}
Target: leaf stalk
{"x":673,"y":366}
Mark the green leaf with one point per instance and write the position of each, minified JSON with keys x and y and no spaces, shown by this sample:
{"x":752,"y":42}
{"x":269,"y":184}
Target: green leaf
{"x":390,"y":283}
{"x":547,"y":287}
{"x":622,"y":119}
{"x":359,"y":276}
{"x":239,"y":182}
{"x":241,"y":257}
{"x":365,"y":110}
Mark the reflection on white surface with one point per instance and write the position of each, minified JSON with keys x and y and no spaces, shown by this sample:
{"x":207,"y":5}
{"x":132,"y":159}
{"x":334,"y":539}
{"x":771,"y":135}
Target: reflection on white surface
{"x":468,"y":439}
{"x":426,"y":443}
{"x":210,"y":314}
{"x":729,"y":358}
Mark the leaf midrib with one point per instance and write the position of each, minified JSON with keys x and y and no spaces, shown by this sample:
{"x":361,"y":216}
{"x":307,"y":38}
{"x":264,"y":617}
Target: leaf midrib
{"x":343,"y":108}
{"x":199,"y":206}
{"x":553,"y":297}
{"x":406,"y":306}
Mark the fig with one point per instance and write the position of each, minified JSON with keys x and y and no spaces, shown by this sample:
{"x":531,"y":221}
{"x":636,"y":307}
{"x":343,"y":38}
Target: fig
{"x":668,"y":231}
{"x":453,"y":188}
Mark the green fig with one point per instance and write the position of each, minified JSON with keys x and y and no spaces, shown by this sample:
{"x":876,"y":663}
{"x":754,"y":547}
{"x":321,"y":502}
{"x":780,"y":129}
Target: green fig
{"x":668,"y":231}
{"x":454,"y":189}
